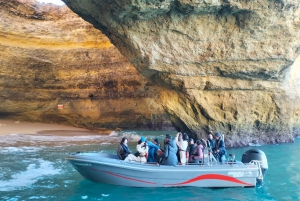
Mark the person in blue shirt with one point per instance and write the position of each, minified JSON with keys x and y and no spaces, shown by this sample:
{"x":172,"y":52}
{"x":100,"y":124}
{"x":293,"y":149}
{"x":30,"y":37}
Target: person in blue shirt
{"x":153,"y":148}
{"x":170,"y":151}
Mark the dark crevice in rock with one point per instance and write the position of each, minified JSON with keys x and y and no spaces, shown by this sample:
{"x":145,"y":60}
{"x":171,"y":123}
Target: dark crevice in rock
{"x":179,"y":125}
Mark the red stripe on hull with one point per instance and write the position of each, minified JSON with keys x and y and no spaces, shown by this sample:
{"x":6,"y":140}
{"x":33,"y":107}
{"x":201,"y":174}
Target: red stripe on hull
{"x":211,"y":176}
{"x":128,"y":178}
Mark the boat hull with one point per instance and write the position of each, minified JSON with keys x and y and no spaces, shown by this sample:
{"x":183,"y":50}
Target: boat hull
{"x":108,"y":169}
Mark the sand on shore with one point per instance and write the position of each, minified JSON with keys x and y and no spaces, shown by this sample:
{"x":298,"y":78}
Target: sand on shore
{"x":8,"y":127}
{"x":17,"y":134}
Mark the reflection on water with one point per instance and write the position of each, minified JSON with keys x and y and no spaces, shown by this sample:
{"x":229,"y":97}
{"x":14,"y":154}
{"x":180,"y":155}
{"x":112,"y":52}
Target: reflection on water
{"x":40,"y":172}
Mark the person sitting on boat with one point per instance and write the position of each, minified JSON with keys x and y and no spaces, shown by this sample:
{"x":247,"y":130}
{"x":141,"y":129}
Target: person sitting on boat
{"x":153,"y":148}
{"x":210,"y":142}
{"x":193,"y":147}
{"x":142,"y":150}
{"x":219,"y":150}
{"x":197,"y":154}
{"x":182,"y":146}
{"x":170,"y":151}
{"x":156,"y":142}
{"x":123,"y":150}
{"x":157,"y":154}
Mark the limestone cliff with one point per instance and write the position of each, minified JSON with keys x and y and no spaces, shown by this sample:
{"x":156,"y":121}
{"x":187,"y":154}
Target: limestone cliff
{"x":224,"y":65}
{"x":49,"y":56}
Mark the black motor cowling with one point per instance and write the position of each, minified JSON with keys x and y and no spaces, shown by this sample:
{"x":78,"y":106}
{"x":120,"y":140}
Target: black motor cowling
{"x":258,"y":155}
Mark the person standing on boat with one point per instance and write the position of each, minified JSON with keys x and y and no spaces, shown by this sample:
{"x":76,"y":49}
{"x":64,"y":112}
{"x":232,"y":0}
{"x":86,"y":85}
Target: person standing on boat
{"x":219,"y":150}
{"x":123,"y":150}
{"x":186,"y":138}
{"x":182,"y":146}
{"x":210,"y":142}
{"x":193,"y":146}
{"x":170,"y":151}
{"x":197,"y":154}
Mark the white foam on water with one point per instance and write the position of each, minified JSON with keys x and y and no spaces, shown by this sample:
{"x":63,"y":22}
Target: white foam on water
{"x":254,"y":145}
{"x":37,"y":197}
{"x":12,"y":140}
{"x":105,"y":143}
{"x":105,"y":195}
{"x":19,"y":149}
{"x":130,"y":135}
{"x":114,"y":134}
{"x":84,"y":197}
{"x":37,"y":140}
{"x":32,"y":174}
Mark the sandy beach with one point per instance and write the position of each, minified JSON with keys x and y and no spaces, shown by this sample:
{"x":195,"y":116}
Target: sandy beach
{"x":8,"y":127}
{"x":17,"y":133}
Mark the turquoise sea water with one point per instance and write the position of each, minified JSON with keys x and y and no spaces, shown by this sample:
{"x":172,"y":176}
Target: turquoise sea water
{"x":40,"y":172}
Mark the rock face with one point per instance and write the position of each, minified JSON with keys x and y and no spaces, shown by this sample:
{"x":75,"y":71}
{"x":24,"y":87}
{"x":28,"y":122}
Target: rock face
{"x":49,"y":56}
{"x":227,"y":66}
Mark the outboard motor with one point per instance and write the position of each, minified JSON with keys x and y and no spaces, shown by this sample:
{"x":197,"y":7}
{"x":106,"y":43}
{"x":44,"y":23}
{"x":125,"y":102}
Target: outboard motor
{"x":256,"y":155}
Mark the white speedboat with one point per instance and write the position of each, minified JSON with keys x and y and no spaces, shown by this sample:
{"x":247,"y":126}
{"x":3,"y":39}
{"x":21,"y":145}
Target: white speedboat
{"x":107,"y":168}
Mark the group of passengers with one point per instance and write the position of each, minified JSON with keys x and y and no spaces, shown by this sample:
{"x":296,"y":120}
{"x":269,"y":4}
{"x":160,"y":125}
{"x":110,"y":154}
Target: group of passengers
{"x":147,"y":151}
{"x":175,"y":151}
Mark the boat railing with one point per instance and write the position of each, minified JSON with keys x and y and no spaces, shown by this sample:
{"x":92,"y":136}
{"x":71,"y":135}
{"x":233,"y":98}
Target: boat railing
{"x":257,"y":163}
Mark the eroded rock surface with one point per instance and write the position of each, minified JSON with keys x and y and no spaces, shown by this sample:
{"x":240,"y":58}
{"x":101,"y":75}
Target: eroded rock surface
{"x":227,"y":66}
{"x":49,"y":56}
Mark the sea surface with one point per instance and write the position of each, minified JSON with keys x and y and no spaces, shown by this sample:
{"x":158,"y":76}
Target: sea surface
{"x":33,"y":167}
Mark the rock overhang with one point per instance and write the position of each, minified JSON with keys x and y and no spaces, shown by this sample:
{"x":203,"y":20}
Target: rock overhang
{"x":223,"y":63}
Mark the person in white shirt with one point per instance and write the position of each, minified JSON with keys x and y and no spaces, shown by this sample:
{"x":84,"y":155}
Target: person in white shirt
{"x":182,"y":146}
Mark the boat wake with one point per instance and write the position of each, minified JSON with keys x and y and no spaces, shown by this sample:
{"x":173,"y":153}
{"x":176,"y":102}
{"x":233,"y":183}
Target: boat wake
{"x":34,"y":172}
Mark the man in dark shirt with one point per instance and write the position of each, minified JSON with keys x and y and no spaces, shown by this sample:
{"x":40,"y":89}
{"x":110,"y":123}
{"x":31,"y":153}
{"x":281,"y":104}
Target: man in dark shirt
{"x":193,"y":146}
{"x":210,"y":142}
{"x":219,"y":149}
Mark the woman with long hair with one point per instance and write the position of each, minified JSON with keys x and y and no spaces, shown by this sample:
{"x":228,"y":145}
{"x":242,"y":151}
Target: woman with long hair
{"x":123,"y":150}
